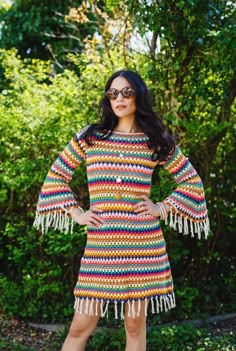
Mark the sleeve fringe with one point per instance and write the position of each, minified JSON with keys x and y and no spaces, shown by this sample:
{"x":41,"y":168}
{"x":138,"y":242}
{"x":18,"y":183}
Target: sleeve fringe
{"x":56,"y":220}
{"x":188,"y":226}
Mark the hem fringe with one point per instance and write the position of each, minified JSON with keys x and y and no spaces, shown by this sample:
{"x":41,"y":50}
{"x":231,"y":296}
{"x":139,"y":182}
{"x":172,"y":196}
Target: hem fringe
{"x":94,"y":306}
{"x":187,"y":226}
{"x":56,"y":220}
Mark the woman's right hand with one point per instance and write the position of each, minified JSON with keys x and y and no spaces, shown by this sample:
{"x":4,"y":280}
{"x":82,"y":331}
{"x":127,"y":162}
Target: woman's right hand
{"x":89,"y":217}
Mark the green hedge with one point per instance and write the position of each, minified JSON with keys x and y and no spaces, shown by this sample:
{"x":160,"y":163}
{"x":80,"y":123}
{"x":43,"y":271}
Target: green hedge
{"x":39,"y":113}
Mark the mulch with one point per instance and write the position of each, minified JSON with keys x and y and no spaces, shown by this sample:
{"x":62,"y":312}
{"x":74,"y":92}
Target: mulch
{"x":14,"y":333}
{"x":223,"y":327}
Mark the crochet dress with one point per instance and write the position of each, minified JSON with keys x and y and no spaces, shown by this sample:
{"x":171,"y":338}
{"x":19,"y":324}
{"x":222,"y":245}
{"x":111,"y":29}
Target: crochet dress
{"x":125,"y":259}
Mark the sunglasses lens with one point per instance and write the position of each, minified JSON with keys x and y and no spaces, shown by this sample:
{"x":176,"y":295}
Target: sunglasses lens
{"x":112,"y":94}
{"x":127,"y":92}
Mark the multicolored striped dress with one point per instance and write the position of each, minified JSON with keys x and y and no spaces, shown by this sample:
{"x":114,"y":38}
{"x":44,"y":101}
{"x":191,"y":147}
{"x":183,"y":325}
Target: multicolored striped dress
{"x":125,"y":259}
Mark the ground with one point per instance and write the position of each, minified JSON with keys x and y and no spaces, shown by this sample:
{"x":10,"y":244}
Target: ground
{"x":18,"y":336}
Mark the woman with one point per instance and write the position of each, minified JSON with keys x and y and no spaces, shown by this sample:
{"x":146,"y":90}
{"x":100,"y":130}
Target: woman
{"x":125,"y":261}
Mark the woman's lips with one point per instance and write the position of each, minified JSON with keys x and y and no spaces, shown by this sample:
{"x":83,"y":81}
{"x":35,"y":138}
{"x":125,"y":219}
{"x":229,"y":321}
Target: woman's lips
{"x":120,"y":107}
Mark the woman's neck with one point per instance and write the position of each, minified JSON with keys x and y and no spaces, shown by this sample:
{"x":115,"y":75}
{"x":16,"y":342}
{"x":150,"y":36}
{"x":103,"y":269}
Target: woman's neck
{"x":125,"y":127}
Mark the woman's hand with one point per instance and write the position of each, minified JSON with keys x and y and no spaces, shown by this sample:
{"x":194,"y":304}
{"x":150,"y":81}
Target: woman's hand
{"x":146,"y":207}
{"x":89,"y":217}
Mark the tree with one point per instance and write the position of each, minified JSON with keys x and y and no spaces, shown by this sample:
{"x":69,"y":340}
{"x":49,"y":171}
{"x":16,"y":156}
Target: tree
{"x":38,"y":29}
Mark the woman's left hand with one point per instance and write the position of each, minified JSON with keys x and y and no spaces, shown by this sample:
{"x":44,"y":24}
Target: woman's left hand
{"x":146,"y":207}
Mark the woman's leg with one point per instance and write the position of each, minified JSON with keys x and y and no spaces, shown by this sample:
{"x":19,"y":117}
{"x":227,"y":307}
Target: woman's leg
{"x":135,"y":328}
{"x":81,"y":328}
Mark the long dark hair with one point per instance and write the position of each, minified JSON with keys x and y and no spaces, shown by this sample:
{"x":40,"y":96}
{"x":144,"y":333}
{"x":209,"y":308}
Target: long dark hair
{"x":160,"y":140}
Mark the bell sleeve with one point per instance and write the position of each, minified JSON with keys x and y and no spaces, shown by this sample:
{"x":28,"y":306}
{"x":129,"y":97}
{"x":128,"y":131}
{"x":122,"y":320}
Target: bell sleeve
{"x":56,"y":199}
{"x":188,"y":211}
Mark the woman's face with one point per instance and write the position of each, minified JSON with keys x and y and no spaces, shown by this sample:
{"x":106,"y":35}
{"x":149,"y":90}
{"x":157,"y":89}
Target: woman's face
{"x":123,"y":107}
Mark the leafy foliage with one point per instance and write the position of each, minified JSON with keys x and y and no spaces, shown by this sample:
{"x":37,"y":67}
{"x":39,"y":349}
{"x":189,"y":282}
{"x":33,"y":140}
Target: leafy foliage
{"x":189,"y":65}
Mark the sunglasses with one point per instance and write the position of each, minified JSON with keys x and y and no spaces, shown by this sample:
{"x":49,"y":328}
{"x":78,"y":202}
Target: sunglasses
{"x":127,"y":92}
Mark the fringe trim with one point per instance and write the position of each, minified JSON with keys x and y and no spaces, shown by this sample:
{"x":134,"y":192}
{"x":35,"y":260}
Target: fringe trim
{"x":92,"y":306}
{"x":187,"y":226}
{"x":55,"y":220}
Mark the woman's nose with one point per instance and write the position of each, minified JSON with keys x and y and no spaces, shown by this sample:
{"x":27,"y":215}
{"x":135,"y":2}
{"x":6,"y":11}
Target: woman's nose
{"x":120,"y":96}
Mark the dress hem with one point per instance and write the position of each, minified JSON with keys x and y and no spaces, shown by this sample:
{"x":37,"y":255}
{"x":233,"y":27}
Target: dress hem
{"x":94,"y":306}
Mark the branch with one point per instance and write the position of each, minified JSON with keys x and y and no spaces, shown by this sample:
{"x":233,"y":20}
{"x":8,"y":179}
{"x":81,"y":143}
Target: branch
{"x":49,"y":48}
{"x":153,"y":44}
{"x":61,"y":36}
{"x":184,"y":68}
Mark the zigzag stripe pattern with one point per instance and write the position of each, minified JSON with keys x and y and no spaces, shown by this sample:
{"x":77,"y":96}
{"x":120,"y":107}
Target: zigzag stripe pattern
{"x":188,"y":200}
{"x":125,"y":259}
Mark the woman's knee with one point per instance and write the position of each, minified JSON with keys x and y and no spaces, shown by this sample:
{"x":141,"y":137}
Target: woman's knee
{"x":77,"y":331}
{"x":82,"y":326}
{"x":135,"y":326}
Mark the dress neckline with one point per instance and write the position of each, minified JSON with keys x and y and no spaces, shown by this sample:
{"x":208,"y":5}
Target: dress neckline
{"x":127,"y":133}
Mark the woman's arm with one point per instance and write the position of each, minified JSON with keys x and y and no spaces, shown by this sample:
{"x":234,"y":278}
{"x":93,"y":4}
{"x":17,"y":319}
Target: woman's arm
{"x":56,"y":200}
{"x":187,"y":204}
